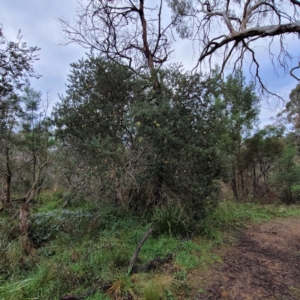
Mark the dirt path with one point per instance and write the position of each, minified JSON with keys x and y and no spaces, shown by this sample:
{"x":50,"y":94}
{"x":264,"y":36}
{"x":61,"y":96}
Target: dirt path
{"x":263,"y":264}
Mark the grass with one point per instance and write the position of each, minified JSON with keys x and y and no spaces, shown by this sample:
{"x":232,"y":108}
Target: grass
{"x":231,"y":214}
{"x":79,"y":249}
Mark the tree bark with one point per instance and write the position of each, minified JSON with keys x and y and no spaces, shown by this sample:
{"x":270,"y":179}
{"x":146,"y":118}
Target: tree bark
{"x":7,"y":177}
{"x":6,"y":195}
{"x":24,"y":227}
{"x":234,"y":183}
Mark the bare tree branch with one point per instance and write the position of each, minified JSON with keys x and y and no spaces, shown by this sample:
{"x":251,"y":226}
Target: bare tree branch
{"x":293,"y":69}
{"x":125,"y":31}
{"x":295,"y":2}
{"x":233,"y":28}
{"x":261,"y":32}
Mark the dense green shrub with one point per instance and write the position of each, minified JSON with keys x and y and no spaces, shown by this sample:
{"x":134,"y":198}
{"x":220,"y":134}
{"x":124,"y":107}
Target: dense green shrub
{"x":141,"y":147}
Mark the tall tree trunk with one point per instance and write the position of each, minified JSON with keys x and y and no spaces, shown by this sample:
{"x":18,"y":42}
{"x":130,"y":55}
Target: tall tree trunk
{"x":156,"y":87}
{"x":6,"y":190}
{"x":24,"y":217}
{"x":147,"y":51}
{"x":242,"y":181}
{"x":254,"y":184}
{"x":7,"y":187}
{"x":8,"y":177}
{"x":234,"y":183}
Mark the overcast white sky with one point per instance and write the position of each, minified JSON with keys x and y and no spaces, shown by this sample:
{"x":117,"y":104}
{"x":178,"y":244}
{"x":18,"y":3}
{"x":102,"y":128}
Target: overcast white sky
{"x":37,"y":20}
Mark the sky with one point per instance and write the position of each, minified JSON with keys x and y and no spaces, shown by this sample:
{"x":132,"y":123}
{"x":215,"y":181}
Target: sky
{"x":37,"y":20}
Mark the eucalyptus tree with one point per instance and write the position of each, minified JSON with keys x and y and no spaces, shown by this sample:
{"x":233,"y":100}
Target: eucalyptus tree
{"x":16,"y":67}
{"x":230,"y":30}
{"x":129,"y":33}
{"x":293,"y":107}
{"x":136,"y":32}
{"x":240,"y":111}
{"x":10,"y":113}
{"x":36,"y":139}
{"x":291,"y":115}
{"x":288,"y":174}
{"x":262,"y":152}
{"x":16,"y":64}
{"x":24,"y":155}
{"x":124,"y":31}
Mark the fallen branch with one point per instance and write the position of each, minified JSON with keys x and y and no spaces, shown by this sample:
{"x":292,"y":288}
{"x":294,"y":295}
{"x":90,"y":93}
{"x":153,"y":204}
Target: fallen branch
{"x":153,"y":264}
{"x":131,"y":269}
{"x":137,"y":250}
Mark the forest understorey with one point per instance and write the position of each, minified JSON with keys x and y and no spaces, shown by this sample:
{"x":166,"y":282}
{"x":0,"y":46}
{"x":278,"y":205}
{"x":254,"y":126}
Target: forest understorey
{"x":262,"y":263}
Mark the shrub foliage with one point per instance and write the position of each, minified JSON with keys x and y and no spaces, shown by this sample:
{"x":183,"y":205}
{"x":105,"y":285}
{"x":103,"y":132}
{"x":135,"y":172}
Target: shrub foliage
{"x":140,"y":148}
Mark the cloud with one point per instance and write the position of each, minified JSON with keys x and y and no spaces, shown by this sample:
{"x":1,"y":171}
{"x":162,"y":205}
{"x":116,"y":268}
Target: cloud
{"x":38,"y":23}
{"x":39,"y":27}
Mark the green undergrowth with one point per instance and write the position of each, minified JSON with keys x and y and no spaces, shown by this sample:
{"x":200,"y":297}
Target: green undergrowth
{"x":78,"y":249}
{"x":232,"y":215}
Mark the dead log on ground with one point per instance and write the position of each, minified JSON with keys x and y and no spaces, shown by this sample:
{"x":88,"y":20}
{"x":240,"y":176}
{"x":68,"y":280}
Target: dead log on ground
{"x":137,"y":250}
{"x":153,"y":264}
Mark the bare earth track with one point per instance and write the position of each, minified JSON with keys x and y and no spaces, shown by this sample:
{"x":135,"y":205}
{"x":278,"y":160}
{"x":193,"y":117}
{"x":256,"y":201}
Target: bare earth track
{"x":263,"y":264}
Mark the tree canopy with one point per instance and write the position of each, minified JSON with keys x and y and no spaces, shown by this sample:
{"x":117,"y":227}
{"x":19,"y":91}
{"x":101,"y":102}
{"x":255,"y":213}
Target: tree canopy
{"x":110,"y":120}
{"x":137,"y":33}
{"x":16,"y":64}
